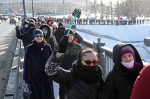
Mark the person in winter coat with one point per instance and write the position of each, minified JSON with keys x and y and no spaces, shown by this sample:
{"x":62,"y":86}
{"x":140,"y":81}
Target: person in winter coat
{"x":78,"y":38}
{"x":36,"y":56}
{"x":49,"y":22}
{"x":84,"y":80}
{"x":26,"y":34}
{"x":48,"y":36}
{"x":127,"y":65}
{"x":55,"y":27}
{"x":141,"y":86}
{"x":60,"y":32}
{"x":70,"y":56}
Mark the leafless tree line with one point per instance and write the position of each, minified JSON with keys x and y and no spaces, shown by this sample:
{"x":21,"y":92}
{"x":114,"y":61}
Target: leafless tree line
{"x":129,"y":8}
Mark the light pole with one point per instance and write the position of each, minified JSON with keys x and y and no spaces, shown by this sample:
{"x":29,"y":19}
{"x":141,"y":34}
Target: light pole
{"x":24,"y":10}
{"x":63,"y":9}
{"x":32,"y":10}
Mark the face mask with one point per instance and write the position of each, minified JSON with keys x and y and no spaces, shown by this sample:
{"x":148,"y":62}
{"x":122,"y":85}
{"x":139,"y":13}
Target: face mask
{"x":129,"y":65}
{"x":45,"y":34}
{"x":61,"y":28}
{"x":26,"y":26}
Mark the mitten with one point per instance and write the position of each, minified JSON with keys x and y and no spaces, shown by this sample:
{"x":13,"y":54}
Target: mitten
{"x":63,"y":44}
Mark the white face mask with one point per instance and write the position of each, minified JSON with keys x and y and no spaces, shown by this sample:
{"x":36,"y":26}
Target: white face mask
{"x":26,"y":26}
{"x":129,"y":65}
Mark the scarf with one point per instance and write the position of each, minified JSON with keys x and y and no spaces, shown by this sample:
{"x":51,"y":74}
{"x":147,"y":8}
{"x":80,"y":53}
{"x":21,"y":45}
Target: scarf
{"x":88,"y":74}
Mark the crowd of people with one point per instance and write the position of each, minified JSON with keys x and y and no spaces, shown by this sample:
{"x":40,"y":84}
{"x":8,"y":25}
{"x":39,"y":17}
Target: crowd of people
{"x":53,"y":53}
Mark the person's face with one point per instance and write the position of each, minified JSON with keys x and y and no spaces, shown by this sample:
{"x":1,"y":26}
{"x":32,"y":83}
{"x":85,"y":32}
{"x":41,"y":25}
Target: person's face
{"x":38,"y":38}
{"x":61,"y":28}
{"x":90,"y":59}
{"x":71,"y":37}
{"x":128,"y":57}
{"x":44,"y":30}
{"x":26,"y":25}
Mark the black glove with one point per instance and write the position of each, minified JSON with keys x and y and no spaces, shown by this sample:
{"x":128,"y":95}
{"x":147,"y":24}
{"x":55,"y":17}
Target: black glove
{"x":63,"y":44}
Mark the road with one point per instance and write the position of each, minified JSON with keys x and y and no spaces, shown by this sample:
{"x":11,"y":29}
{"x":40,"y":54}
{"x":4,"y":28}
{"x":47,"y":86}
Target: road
{"x":7,"y":46}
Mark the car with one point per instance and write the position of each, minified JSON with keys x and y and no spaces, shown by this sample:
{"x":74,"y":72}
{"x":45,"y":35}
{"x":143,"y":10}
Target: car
{"x":12,"y":21}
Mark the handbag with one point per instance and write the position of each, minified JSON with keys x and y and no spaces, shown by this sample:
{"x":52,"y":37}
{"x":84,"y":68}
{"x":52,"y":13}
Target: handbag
{"x":26,"y":92}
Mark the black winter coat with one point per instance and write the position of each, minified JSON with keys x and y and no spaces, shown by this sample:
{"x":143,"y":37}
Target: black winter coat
{"x":76,"y":88}
{"x":26,"y":34}
{"x":36,"y":57}
{"x":120,"y":80}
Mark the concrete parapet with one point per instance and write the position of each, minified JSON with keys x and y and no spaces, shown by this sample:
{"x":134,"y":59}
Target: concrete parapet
{"x":147,"y":41}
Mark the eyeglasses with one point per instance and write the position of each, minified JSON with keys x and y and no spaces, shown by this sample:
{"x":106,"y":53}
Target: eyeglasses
{"x":39,"y":36}
{"x":88,"y":62}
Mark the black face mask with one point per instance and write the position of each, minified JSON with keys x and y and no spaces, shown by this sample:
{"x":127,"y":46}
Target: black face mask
{"x":89,"y":74}
{"x":61,"y":28}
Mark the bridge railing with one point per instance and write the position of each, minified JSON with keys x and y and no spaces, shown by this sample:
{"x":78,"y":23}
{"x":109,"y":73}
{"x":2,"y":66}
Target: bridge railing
{"x":105,"y":54}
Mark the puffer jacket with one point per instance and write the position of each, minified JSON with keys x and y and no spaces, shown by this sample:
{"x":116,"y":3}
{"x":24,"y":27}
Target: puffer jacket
{"x":119,"y":82}
{"x":75,"y":87}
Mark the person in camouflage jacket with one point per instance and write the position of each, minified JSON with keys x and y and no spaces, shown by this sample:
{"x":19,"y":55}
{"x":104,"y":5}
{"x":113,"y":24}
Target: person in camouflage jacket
{"x":70,"y":56}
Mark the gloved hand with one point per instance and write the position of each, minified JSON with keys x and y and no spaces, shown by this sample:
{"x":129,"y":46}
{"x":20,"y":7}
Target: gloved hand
{"x":63,"y":44}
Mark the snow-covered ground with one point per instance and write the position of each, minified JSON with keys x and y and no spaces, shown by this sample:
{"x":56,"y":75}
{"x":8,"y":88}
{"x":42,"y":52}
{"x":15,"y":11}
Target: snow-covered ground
{"x":133,"y":34}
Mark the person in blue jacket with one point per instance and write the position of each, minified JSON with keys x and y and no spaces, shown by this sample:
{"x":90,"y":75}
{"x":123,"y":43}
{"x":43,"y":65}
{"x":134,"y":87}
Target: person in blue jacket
{"x":36,"y":56}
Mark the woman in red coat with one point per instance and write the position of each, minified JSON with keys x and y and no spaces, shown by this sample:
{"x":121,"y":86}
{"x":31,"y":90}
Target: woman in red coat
{"x":141,"y":89}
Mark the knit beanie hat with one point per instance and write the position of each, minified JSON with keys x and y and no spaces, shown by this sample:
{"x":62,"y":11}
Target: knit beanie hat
{"x":127,"y":49}
{"x":37,"y":31}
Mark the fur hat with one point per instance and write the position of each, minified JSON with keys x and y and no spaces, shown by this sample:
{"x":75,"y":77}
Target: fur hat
{"x":37,"y":31}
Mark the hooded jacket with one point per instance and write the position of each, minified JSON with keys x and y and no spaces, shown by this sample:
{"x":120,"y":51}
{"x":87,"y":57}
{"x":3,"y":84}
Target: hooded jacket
{"x":50,"y":38}
{"x":119,"y":82}
{"x":49,"y":20}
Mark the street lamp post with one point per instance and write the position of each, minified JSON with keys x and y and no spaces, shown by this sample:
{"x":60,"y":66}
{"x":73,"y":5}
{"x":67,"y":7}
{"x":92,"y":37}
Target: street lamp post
{"x":63,"y":9}
{"x":32,"y":10}
{"x":24,"y":9}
